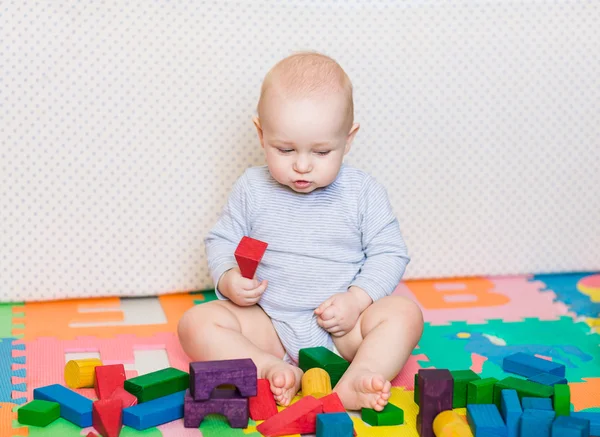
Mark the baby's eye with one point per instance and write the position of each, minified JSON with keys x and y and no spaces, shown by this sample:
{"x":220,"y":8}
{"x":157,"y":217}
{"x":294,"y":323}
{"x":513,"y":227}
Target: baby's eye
{"x":324,"y":153}
{"x":285,"y":150}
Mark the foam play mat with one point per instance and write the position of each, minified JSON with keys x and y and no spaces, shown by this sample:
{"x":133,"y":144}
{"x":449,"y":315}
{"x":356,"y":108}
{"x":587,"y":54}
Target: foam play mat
{"x":470,"y":324}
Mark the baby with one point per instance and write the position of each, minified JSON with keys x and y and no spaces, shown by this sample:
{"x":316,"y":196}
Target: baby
{"x":335,"y":252}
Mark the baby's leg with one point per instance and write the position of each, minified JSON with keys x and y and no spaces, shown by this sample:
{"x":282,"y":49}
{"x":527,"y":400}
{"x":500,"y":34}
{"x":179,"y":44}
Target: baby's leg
{"x":378,"y":347}
{"x":221,"y":330}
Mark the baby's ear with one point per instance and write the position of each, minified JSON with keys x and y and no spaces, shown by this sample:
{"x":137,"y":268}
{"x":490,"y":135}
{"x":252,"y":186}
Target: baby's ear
{"x":351,"y":135}
{"x":259,"y":130}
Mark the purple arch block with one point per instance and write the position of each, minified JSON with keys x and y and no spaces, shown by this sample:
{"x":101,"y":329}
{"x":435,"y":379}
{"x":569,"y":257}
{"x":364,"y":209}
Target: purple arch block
{"x":225,"y":401}
{"x":208,"y":375}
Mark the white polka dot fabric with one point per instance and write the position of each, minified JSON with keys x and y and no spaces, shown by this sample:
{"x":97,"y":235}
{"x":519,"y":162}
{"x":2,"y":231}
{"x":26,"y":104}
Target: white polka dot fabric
{"x":123,"y":125}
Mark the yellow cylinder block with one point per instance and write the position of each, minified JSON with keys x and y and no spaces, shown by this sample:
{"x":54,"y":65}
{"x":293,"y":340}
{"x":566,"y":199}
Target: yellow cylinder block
{"x":316,"y":382}
{"x":81,"y":373}
{"x":451,"y":424}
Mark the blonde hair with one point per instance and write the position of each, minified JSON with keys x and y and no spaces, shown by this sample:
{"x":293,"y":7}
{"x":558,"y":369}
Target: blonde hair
{"x":308,"y":74}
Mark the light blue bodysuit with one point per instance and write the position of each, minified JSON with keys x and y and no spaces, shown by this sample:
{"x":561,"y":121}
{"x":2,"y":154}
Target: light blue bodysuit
{"x":319,"y":244}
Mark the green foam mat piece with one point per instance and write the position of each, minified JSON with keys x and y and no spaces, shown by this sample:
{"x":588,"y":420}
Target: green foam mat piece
{"x":6,"y":317}
{"x":208,"y":295}
{"x":215,"y":425}
{"x":565,"y":341}
{"x":64,"y":428}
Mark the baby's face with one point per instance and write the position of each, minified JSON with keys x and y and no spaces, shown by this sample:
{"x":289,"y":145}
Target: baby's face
{"x":305,"y":139}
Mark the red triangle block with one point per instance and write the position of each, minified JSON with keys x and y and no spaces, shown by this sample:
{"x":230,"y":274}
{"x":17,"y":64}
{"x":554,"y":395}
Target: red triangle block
{"x":333,"y":404}
{"x":107,"y":417}
{"x":126,"y":398}
{"x":262,"y":406}
{"x":298,"y":418}
{"x":108,"y":378}
{"x":248,"y":254}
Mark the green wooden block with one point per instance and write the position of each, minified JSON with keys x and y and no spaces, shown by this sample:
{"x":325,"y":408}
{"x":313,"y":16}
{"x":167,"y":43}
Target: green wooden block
{"x":481,"y":391}
{"x":323,"y":358}
{"x":157,"y":384}
{"x":562,"y":399}
{"x":390,"y":415}
{"x":38,"y":413}
{"x":416,"y":392}
{"x":523,"y":387}
{"x":461,"y":379}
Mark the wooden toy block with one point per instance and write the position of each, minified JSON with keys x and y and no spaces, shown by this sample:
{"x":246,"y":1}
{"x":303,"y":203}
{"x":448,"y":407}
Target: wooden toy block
{"x":262,"y":406}
{"x":536,"y":403}
{"x":481,"y":391}
{"x":565,"y":426}
{"x":298,"y":418}
{"x":594,"y":419}
{"x":38,"y":413}
{"x":529,"y":365}
{"x":435,"y":395}
{"x":485,"y":420}
{"x":224,"y":401}
{"x":536,"y":422}
{"x":157,"y":384}
{"x":248,"y":254}
{"x":548,"y":379}
{"x":416,"y":389}
{"x":333,"y":404}
{"x":325,"y":359}
{"x":80,"y":373}
{"x":73,"y":407}
{"x":316,"y":383}
{"x":205,"y":376}
{"x":562,"y":399}
{"x":155,"y":412}
{"x":461,"y":380}
{"x":511,"y":410}
{"x":126,"y":398}
{"x":523,"y":388}
{"x":107,"y":417}
{"x":108,"y":378}
{"x":334,"y":425}
{"x":390,"y":415}
{"x":91,"y":434}
{"x":451,"y":424}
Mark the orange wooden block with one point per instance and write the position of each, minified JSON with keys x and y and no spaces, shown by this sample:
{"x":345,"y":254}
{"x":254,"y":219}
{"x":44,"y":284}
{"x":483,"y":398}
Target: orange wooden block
{"x":126,"y":398}
{"x":107,"y":417}
{"x":262,"y":406}
{"x":108,"y":378}
{"x":298,"y":418}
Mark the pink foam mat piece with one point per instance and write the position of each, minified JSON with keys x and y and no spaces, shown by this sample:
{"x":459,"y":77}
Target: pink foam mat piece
{"x":406,"y":377}
{"x":524,"y":299}
{"x":45,"y":356}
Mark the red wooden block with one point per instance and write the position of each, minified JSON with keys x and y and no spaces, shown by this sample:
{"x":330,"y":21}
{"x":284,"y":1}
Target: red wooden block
{"x":91,"y":434}
{"x":108,"y":378}
{"x":248,"y":254}
{"x":298,"y":418}
{"x":126,"y":398}
{"x":333,"y":404}
{"x":107,"y":417}
{"x":262,"y":406}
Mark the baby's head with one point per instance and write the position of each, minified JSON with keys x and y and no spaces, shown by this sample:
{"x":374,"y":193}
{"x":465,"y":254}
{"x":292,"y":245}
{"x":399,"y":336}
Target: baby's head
{"x":305,"y":120}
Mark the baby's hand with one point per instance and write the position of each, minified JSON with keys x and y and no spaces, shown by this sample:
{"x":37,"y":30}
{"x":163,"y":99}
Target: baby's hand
{"x":338,"y":314}
{"x":241,"y":291}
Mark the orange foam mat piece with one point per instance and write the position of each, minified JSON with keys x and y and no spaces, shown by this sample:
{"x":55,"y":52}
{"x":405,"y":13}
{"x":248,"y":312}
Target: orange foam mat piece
{"x":585,"y":394}
{"x":7,"y":416}
{"x":52,"y":319}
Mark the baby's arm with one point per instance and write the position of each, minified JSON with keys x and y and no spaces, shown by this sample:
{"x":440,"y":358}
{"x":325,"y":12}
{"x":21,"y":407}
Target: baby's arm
{"x":221,"y":242}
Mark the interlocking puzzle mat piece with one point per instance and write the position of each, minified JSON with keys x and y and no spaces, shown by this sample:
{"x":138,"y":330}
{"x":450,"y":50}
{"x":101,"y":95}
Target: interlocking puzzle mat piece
{"x":11,"y":389}
{"x":64,"y":428}
{"x":584,"y":395}
{"x":476,"y":300}
{"x":6,"y":318}
{"x":9,"y":427}
{"x":204,"y":296}
{"x":406,"y":377}
{"x":46,"y":356}
{"x":579,"y":291}
{"x":52,"y":319}
{"x":176,"y":429}
{"x":564,"y":341}
{"x":217,"y":426}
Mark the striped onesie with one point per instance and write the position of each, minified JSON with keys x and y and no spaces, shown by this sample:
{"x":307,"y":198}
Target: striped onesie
{"x":319,"y":244}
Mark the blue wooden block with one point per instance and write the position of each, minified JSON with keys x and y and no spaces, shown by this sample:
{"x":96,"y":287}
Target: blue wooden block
{"x":548,"y":379}
{"x":537,"y":403}
{"x":565,"y":426}
{"x":485,"y":420}
{"x":155,"y":412}
{"x":529,"y":365}
{"x":334,"y":425}
{"x":536,"y":423}
{"x":511,"y":410}
{"x":73,"y":407}
{"x":593,"y":417}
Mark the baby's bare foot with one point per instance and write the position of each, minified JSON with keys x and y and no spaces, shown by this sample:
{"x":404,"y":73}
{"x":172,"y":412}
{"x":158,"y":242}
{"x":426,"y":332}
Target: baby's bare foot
{"x":285,"y":381}
{"x":362,"y":388}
